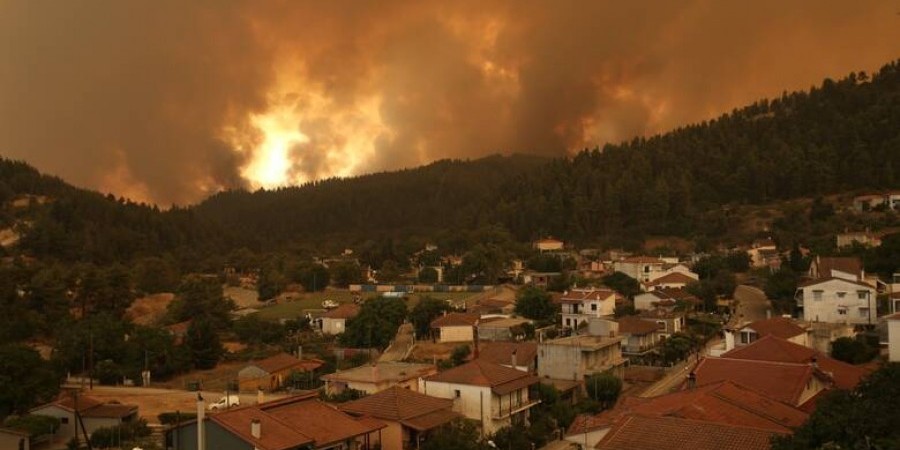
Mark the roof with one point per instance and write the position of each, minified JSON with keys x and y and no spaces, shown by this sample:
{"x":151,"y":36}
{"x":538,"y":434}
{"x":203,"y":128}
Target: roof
{"x":455,"y":320}
{"x":784,"y":382}
{"x":826,"y":279}
{"x":14,"y":431}
{"x":275,"y":434}
{"x":501,"y":352}
{"x":92,"y":407}
{"x":500,"y":379}
{"x":672,"y":278}
{"x":634,"y":325}
{"x":502,"y":322}
{"x":582,"y":295}
{"x":895,"y":316}
{"x":585,"y":342}
{"x":110,"y":410}
{"x":383,"y":371}
{"x":776,"y":326}
{"x":847,"y":264}
{"x":324,"y":423}
{"x":636,"y":432}
{"x":345,"y":311}
{"x":643,"y":260}
{"x":772,"y":348}
{"x":284,"y":361}
{"x":398,"y":404}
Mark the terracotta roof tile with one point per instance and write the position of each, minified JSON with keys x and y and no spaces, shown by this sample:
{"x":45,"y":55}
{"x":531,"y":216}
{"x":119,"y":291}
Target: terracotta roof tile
{"x":643,"y":260}
{"x":581,"y":295}
{"x":636,"y":326}
{"x":784,"y":382}
{"x":822,"y":280}
{"x":455,"y":320}
{"x":284,"y":361}
{"x":110,"y":410}
{"x":635,"y":432}
{"x":319,"y":421}
{"x":479,"y":372}
{"x":396,"y":403}
{"x":674,"y":277}
{"x":776,"y":326}
{"x":847,"y":264}
{"x":431,"y":420}
{"x":501,"y":352}
{"x":275,"y":434}
{"x":345,"y":311}
{"x":772,"y":348}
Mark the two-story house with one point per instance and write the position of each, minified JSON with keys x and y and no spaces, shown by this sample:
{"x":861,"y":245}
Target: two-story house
{"x":580,"y":305}
{"x":641,"y":268}
{"x":837,"y":300}
{"x":571,"y":358}
{"x":496,"y":396}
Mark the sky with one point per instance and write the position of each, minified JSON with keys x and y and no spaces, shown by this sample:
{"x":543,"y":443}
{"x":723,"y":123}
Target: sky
{"x":168,"y":101}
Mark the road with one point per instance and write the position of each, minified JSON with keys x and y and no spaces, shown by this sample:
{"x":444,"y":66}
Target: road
{"x":401,"y":344}
{"x":752,"y":304}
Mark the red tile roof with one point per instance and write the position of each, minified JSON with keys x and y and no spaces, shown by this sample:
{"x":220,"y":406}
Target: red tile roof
{"x":582,"y":295}
{"x":847,"y":264}
{"x":110,"y":411}
{"x":782,"y":381}
{"x":823,"y":280}
{"x":776,"y":326}
{"x":345,"y":311}
{"x":643,"y":260}
{"x":500,"y":379}
{"x":275,"y":434}
{"x":636,"y":326}
{"x":397,"y":404}
{"x":323,"y":423}
{"x":501,"y":352}
{"x":635,"y":432}
{"x":455,"y":320}
{"x":672,"y":278}
{"x":771,"y":348}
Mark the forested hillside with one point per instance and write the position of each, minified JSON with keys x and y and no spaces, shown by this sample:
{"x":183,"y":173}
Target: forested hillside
{"x":841,"y":136}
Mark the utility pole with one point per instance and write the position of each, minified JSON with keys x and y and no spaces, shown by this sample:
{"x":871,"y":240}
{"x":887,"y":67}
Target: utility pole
{"x":91,"y":359}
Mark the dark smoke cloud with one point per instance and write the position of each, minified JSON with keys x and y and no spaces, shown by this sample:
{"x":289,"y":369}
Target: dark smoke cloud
{"x":161,"y":100}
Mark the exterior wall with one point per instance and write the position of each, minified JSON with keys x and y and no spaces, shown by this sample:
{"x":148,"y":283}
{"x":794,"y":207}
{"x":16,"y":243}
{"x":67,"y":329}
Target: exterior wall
{"x":567,"y":362}
{"x":392,"y":437}
{"x":812,"y":388}
{"x":639,"y":271}
{"x":333,"y":326}
{"x":893,"y":340}
{"x":13,"y":441}
{"x":636,"y":343}
{"x":252,"y":378}
{"x":589,"y":439}
{"x":67,"y":420}
{"x":821,"y":303}
{"x":457,"y":334}
{"x":334,"y":387}
{"x":185,"y":438}
{"x":478,"y":402}
{"x":644,"y":302}
{"x":91,"y":424}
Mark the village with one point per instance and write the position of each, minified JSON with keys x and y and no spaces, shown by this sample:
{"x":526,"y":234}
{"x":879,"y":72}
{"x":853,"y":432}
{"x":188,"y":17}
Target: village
{"x":625,"y":355}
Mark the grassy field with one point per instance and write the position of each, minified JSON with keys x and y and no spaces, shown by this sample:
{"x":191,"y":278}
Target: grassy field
{"x":313,"y":301}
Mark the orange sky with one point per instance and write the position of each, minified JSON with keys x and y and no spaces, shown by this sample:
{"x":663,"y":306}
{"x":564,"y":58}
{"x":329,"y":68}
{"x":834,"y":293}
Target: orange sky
{"x":169,"y":101}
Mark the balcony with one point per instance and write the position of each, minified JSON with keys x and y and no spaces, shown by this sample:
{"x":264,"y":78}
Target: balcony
{"x":509,"y":410}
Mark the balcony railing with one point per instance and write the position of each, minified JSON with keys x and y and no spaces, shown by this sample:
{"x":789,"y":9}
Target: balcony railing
{"x":516,"y":407}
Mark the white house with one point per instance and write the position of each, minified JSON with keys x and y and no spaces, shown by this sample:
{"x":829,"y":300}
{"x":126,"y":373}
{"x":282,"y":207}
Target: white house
{"x":641,"y":268}
{"x":762,"y":251}
{"x":580,"y":305}
{"x":94,"y":414}
{"x":372,"y":378}
{"x":335,"y":321}
{"x":494,"y":395}
{"x":781,"y":327}
{"x":893,"y":324}
{"x":837,"y":300}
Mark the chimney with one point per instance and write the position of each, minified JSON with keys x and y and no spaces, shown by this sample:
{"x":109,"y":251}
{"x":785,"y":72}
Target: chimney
{"x":692,"y":380}
{"x":768,"y":314}
{"x":201,"y":423}
{"x":376,"y":374}
{"x":260,"y":395}
{"x":300,"y":352}
{"x":513,"y":359}
{"x":255,"y":428}
{"x":475,"y":336}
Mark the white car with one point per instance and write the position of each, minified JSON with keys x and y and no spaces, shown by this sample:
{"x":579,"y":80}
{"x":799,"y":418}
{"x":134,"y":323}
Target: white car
{"x":329,"y":304}
{"x":225,"y":403}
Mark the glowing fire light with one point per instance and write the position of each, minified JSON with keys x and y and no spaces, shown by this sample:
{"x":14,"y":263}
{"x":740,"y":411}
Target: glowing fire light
{"x":271,"y":158}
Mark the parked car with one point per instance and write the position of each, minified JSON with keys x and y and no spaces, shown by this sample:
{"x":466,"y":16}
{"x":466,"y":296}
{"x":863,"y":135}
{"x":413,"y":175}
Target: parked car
{"x":225,"y":402}
{"x":329,"y":304}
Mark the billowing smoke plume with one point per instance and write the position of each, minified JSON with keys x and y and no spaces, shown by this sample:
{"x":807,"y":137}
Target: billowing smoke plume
{"x":168,"y":101}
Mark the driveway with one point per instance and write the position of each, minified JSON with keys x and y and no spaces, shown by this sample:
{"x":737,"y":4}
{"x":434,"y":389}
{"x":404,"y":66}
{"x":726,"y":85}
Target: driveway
{"x":752,"y":304}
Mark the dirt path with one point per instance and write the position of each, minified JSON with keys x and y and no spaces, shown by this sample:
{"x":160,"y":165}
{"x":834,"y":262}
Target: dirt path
{"x":401,"y":344}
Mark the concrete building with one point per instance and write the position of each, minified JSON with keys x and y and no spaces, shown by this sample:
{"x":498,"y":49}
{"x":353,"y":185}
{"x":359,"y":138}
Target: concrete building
{"x":14,"y":439}
{"x":410,"y":416}
{"x":581,"y":305}
{"x":837,"y":300}
{"x":501,"y":328}
{"x":273,"y":372}
{"x":641,"y":268}
{"x":373,"y":378}
{"x":335,"y":321}
{"x":571,"y":358}
{"x":494,"y":395}
{"x":455,"y":327}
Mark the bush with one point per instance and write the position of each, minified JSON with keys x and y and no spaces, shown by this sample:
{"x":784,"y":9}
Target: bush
{"x":460,"y":353}
{"x":33,"y":424}
{"x":172,"y":418}
{"x":107,"y":437}
{"x":344,"y":396}
{"x":603,"y":388}
{"x":853,"y":350}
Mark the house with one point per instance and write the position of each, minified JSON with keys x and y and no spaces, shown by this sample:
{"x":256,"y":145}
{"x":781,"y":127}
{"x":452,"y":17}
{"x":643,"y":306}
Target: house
{"x":641,"y":268}
{"x":335,"y":321}
{"x":771,"y":348}
{"x":409,"y":415}
{"x":791,"y":383}
{"x":672,"y":433}
{"x":501,"y":328}
{"x":373,"y":378}
{"x":822,"y":334}
{"x":640,"y":335}
{"x":762,"y":252}
{"x":548,"y":245}
{"x":893,"y":326}
{"x":580,"y":305}
{"x":94,"y":414}
{"x":892,"y":199}
{"x":574,"y":357}
{"x":671,"y":280}
{"x":843,"y":267}
{"x":837,"y":300}
{"x":863,"y":238}
{"x":665,"y":298}
{"x":868,"y":202}
{"x":667,"y":322}
{"x":271,"y":373}
{"x":455,"y":327}
{"x":724,"y":403}
{"x":517,"y":355}
{"x":14,"y":439}
{"x":494,"y":395}
{"x":781,"y":327}
{"x":540,"y":279}
{"x":294,"y":423}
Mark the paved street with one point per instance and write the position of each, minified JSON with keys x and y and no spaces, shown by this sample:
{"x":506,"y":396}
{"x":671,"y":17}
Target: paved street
{"x":752,"y":304}
{"x":401,"y":344}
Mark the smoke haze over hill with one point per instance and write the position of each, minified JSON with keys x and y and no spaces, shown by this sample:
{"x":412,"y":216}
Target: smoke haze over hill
{"x":168,"y":101}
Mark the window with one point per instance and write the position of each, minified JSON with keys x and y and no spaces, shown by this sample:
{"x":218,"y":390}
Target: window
{"x":841,"y":294}
{"x":646,"y":269}
{"x":862,"y":294}
{"x":863,"y":312}
{"x":456,"y":393}
{"x":64,"y":420}
{"x":842,"y":311}
{"x":593,"y":306}
{"x":568,"y":323}
{"x":817,"y":295}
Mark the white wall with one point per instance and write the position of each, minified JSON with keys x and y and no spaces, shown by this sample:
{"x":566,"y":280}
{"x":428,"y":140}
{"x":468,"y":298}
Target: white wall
{"x":457,"y":334}
{"x":894,"y":340}
{"x":333,"y":326}
{"x":826,"y":308}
